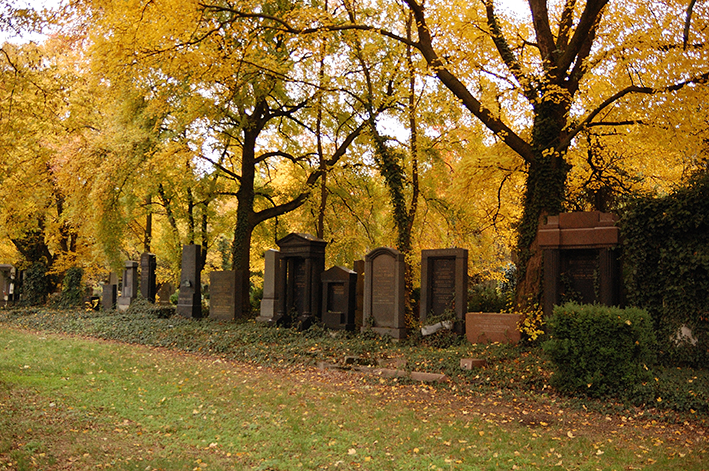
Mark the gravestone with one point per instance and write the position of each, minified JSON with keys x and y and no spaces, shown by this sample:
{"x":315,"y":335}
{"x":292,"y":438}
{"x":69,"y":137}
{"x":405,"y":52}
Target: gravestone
{"x":7,"y":284}
{"x":485,"y":327}
{"x":189,"y":301}
{"x":109,"y":296}
{"x":302,"y":259}
{"x":384,"y":292}
{"x":444,"y":284}
{"x":581,"y":259}
{"x":147,"y":276}
{"x":129,"y":290}
{"x":359,"y":309}
{"x":339,"y":291}
{"x":224,"y":295}
{"x":269,"y":301}
{"x":165,"y":291}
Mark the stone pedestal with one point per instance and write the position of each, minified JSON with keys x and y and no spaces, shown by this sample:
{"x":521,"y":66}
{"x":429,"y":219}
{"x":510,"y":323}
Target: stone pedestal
{"x":129,"y":289}
{"x":189,"y":301}
{"x":384,"y":292}
{"x":359,"y":309}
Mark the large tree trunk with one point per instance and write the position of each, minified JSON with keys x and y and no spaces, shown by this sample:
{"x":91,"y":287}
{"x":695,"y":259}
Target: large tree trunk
{"x":241,"y":246}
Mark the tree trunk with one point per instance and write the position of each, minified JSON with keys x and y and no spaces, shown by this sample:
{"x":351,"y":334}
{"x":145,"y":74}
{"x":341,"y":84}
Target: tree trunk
{"x":241,"y":246}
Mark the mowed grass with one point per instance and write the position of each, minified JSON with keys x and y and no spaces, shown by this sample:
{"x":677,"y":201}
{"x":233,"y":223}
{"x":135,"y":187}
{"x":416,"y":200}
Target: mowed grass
{"x":73,"y":403}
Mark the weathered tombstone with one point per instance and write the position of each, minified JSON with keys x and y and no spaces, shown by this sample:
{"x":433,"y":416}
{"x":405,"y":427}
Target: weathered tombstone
{"x":269,"y":301}
{"x":484,"y":327}
{"x":444,"y":284}
{"x":109,"y":296}
{"x":7,"y":283}
{"x":130,"y":286}
{"x":359,"y":309}
{"x":339,"y":291}
{"x":165,"y":291}
{"x":189,"y":301}
{"x":581,"y":253}
{"x":302,"y":261}
{"x":384,"y":292}
{"x":147,"y":276}
{"x":224,"y":295}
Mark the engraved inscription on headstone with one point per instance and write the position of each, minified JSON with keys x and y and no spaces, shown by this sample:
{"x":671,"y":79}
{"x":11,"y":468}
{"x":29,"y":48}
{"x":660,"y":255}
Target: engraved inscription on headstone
{"x":384,"y":290}
{"x":443,"y":285}
{"x":579,"y":272}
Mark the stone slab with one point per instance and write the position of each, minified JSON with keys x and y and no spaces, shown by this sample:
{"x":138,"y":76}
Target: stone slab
{"x":486,"y":327}
{"x":472,"y":363}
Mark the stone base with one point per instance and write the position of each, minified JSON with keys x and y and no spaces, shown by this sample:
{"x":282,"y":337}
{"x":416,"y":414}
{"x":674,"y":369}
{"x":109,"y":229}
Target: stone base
{"x":123,"y":303}
{"x":268,"y":310}
{"x":485,"y":327}
{"x":392,"y":332}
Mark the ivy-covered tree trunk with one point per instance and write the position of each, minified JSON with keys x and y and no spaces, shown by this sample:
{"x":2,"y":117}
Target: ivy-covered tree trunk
{"x":241,"y":245}
{"x":545,"y":195}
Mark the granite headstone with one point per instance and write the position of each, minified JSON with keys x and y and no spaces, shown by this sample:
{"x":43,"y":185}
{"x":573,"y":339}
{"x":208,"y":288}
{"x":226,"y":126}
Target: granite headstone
{"x":384,"y":292}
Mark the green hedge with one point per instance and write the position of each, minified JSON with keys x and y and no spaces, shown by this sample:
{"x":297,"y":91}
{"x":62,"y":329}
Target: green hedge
{"x":599,"y":351}
{"x":666,"y":266}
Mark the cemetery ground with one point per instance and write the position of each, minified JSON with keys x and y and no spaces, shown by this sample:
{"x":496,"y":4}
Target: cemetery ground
{"x":88,"y":390}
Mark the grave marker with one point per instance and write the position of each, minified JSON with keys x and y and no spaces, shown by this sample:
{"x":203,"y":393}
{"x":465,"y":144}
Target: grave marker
{"x":339,"y":290}
{"x":444,"y":283}
{"x":224,"y":295}
{"x":384,"y":292}
{"x":189,"y":301}
{"x":147,"y":276}
{"x":129,"y":290}
{"x":271,"y":276}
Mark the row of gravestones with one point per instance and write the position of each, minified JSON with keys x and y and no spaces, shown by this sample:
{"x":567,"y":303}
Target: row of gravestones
{"x":131,"y":280}
{"x":298,"y":290}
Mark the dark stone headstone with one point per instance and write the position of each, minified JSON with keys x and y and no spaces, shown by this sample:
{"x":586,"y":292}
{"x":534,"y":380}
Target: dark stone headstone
{"x":359,"y":310}
{"x":302,"y":260}
{"x":269,"y":301}
{"x":165,"y":291}
{"x":189,"y":301}
{"x":109,"y":296}
{"x":339,"y":290}
{"x":444,"y":283}
{"x":581,"y":252}
{"x":129,"y":290}
{"x":148,"y":287}
{"x":224,"y":295}
{"x":384,"y":292}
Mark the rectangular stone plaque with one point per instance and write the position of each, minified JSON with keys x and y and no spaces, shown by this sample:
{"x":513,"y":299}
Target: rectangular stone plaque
{"x":224,"y":296}
{"x":443,"y":285}
{"x":485,"y":327}
{"x":384,"y":290}
{"x":579,"y":272}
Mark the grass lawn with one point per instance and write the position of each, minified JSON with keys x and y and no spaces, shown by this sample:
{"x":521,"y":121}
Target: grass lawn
{"x":69,"y":402}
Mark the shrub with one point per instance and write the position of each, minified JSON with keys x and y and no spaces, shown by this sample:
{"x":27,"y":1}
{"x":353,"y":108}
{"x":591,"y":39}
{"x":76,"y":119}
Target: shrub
{"x":72,"y":289}
{"x":599,"y":351}
{"x":666,"y":267}
{"x":35,"y":285}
